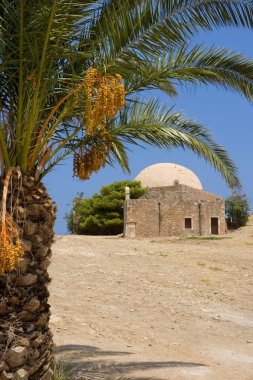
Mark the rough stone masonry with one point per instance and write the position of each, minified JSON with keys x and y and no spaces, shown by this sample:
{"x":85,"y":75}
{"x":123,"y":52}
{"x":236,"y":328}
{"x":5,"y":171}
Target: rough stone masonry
{"x":180,"y":207}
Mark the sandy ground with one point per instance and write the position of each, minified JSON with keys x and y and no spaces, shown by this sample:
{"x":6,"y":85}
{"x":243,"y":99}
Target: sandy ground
{"x":153,"y":309}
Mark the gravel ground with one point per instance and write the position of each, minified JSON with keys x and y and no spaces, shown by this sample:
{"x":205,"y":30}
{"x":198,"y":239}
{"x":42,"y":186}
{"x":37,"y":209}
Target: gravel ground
{"x":153,"y":309}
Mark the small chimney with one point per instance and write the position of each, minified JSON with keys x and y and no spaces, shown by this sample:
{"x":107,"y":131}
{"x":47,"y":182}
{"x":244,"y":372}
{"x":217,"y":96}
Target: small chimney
{"x":127,"y":193}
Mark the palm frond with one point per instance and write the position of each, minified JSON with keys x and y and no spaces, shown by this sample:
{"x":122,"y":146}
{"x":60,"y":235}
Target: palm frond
{"x":154,"y":125}
{"x":118,"y":154}
{"x":39,"y":51}
{"x":47,"y":46}
{"x":153,"y":26}
{"x":198,"y":65}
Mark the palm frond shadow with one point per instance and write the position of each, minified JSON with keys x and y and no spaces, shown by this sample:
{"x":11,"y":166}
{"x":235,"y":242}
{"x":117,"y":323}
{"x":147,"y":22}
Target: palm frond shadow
{"x":74,"y":352}
{"x":87,"y":364}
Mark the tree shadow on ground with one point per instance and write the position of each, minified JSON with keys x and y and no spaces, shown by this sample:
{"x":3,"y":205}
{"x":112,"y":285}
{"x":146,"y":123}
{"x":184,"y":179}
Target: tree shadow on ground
{"x":87,"y":364}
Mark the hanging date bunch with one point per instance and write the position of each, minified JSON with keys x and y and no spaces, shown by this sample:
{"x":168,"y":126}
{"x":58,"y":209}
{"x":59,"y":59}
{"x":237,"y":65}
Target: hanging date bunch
{"x":10,"y":243}
{"x":91,"y":159}
{"x":105,"y":96}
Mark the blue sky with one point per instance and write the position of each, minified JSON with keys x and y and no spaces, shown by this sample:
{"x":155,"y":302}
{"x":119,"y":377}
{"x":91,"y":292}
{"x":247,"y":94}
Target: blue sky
{"x":227,"y":115}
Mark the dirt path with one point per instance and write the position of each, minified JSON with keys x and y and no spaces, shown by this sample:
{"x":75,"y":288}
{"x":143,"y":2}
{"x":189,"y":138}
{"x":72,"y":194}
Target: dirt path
{"x":154,"y":309}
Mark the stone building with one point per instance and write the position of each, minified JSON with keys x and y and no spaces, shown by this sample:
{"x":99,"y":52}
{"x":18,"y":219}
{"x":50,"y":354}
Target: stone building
{"x":175,"y":205}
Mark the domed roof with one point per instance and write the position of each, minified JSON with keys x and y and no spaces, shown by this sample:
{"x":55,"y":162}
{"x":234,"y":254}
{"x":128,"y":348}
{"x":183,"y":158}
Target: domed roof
{"x":168,"y":174}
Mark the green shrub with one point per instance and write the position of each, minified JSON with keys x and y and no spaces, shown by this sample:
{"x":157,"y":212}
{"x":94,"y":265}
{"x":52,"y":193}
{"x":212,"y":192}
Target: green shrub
{"x":103,"y":213}
{"x":237,"y":211}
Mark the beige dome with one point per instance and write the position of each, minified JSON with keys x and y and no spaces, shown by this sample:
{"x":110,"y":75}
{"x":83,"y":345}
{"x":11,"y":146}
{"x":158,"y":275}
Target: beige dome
{"x":167,"y":174}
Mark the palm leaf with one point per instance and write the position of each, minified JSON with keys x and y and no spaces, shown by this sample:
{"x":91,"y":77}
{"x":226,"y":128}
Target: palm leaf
{"x":154,"y":125}
{"x":47,"y":46}
{"x":198,"y":65}
{"x":153,"y":26}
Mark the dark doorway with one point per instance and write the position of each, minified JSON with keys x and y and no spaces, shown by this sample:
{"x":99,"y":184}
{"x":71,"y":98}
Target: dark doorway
{"x":214,"y":226}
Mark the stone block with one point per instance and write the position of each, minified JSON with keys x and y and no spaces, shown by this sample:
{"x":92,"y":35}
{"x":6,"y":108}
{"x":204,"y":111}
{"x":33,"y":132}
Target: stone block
{"x":22,"y":341}
{"x":21,"y":374}
{"x":13,"y":300}
{"x":37,"y":240}
{"x":42,"y":251}
{"x":44,"y":264}
{"x":33,"y":305}
{"x":30,"y":228}
{"x":27,"y":280}
{"x":16,"y":356}
{"x":34,"y":210}
{"x":38,"y":341}
{"x":42,"y":321}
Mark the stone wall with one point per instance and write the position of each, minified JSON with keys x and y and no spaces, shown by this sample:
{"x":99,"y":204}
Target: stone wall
{"x":213,"y":209}
{"x":166,"y":192}
{"x":145,"y":214}
{"x":162,"y":212}
{"x":173,"y":218}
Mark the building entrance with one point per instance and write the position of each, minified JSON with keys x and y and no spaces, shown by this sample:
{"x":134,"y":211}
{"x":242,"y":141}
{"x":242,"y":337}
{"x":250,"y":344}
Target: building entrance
{"x":214,"y":226}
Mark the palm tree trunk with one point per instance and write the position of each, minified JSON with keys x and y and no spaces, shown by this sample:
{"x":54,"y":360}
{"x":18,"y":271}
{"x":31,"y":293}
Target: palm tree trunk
{"x":25,"y":339}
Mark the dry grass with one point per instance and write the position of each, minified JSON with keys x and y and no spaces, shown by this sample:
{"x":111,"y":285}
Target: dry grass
{"x":215,"y":269}
{"x":203,"y":265}
{"x":63,"y":371}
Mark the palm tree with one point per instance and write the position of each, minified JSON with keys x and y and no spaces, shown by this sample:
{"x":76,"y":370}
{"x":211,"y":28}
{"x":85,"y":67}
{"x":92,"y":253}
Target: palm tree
{"x":72,"y":81}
